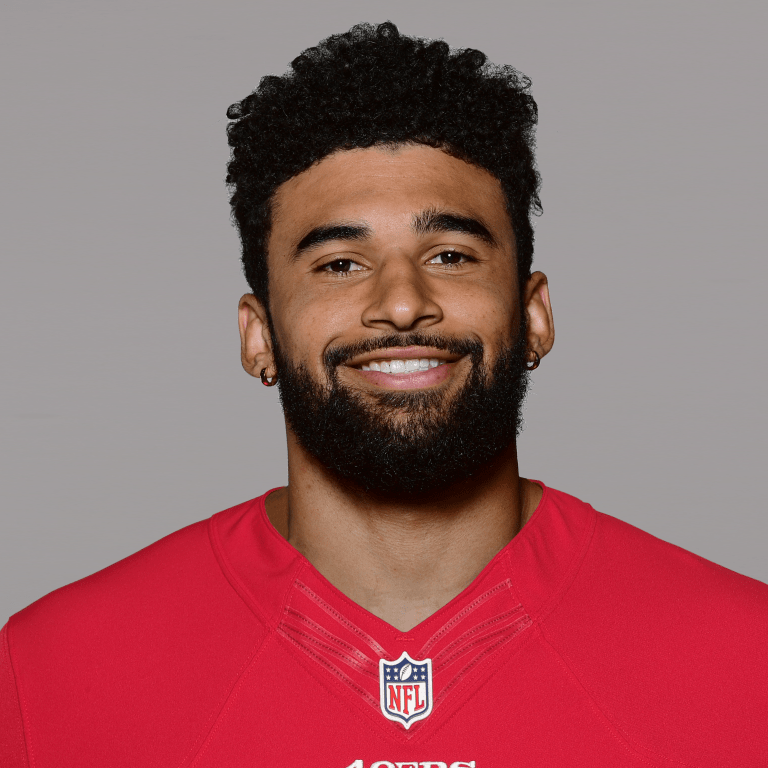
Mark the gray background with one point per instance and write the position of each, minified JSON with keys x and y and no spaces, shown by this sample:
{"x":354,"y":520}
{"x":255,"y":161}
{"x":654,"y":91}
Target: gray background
{"x":125,"y":413}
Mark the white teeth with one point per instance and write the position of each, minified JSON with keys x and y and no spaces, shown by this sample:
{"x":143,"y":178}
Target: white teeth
{"x":404,"y":366}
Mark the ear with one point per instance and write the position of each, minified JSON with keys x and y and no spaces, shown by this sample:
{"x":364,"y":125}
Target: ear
{"x":541,"y":326}
{"x":255,"y":340}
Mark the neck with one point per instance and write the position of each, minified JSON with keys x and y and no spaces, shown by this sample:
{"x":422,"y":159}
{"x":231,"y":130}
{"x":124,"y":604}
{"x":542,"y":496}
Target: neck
{"x":400,"y":559}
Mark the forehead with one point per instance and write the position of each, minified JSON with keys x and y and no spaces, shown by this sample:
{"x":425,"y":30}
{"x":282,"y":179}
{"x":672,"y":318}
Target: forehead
{"x":385,"y":187}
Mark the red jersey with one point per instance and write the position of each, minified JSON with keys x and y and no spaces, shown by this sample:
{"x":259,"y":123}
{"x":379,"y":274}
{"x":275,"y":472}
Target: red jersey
{"x":584,"y":642}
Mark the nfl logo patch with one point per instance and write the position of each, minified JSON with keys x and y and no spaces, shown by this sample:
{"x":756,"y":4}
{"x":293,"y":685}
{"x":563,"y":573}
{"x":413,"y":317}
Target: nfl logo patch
{"x":406,"y":689}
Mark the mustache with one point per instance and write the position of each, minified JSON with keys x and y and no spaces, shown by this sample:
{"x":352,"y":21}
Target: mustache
{"x":335,"y":356}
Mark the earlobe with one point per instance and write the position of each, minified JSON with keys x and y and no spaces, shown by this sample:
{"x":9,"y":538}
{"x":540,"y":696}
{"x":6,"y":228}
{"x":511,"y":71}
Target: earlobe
{"x":541,"y":326}
{"x":255,"y":340}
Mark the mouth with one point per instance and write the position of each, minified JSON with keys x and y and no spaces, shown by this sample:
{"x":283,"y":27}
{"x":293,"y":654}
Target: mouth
{"x":405,"y":368}
{"x":409,"y":365}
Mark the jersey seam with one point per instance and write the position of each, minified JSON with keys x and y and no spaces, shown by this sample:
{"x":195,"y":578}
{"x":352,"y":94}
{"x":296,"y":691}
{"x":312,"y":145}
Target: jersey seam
{"x":573,"y":571}
{"x":241,"y":681}
{"x":615,"y":729}
{"x":440,"y":717}
{"x":213,"y":720}
{"x":231,"y":575}
{"x":518,"y":648}
{"x":372,"y":724}
{"x":23,"y":709}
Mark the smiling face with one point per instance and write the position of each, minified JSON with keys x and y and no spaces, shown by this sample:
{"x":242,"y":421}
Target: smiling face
{"x":369,"y":242}
{"x":393,"y":293}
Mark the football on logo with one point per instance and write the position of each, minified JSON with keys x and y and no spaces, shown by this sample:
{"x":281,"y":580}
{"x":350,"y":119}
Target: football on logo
{"x":406,"y":689}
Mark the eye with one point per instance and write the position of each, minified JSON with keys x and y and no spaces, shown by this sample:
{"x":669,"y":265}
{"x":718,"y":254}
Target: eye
{"x":342,"y":266}
{"x":449,"y":258}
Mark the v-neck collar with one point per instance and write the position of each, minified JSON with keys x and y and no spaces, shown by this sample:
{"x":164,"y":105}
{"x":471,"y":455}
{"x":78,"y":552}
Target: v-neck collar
{"x":263,"y":565}
{"x":327,"y":630}
{"x":538,"y":560}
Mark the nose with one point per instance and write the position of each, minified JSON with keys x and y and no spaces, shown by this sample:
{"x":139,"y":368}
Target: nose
{"x":401,"y":298}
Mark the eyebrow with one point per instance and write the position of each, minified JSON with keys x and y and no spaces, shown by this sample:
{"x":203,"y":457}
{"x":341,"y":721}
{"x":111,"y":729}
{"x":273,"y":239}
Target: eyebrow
{"x":323,"y":234}
{"x":432,"y":220}
{"x":425,"y":223}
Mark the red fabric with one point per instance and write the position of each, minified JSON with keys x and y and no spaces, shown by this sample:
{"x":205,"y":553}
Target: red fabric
{"x":13,"y":752}
{"x":585,"y":642}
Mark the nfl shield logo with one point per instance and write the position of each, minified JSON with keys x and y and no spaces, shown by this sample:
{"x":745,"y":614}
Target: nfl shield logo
{"x":406,"y":689}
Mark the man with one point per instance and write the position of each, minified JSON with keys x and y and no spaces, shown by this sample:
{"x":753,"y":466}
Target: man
{"x":408,"y":599}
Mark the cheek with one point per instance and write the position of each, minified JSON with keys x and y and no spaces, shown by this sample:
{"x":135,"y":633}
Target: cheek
{"x":305,"y":324}
{"x":489,"y":309}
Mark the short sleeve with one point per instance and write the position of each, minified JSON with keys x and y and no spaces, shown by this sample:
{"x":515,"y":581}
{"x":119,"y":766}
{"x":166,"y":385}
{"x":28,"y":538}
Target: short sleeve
{"x":13,"y":751}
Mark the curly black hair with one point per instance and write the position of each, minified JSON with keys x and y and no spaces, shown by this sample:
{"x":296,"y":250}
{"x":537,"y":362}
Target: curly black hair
{"x":374,"y":86}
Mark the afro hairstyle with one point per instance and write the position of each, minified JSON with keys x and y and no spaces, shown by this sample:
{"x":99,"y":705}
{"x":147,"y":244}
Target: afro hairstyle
{"x":374,"y":86}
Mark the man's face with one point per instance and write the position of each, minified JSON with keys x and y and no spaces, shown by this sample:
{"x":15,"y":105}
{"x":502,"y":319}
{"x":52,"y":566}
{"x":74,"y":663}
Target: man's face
{"x":382,"y":260}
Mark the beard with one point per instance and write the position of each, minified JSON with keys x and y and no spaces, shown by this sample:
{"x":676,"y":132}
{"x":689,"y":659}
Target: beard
{"x":406,"y":443}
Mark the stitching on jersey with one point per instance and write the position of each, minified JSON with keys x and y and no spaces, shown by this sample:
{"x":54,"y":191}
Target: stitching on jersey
{"x":469,"y":640}
{"x":476,"y":690}
{"x":303,"y":641}
{"x":610,"y":725}
{"x":331,"y":611}
{"x":573,"y":570}
{"x":335,"y":670}
{"x":193,"y":756}
{"x":370,"y":717}
{"x":230,"y":574}
{"x":464,"y":612}
{"x":12,"y":676}
{"x":465,"y":669}
{"x":523,"y":623}
{"x":321,"y":630}
{"x":478,"y":628}
{"x":26,"y":719}
{"x":211,"y":724}
{"x":346,"y":658}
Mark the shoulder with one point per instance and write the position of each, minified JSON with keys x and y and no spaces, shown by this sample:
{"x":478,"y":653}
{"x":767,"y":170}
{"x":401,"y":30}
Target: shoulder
{"x":169,"y":586}
{"x":677,"y":585}
{"x":671,"y":647}
{"x":167,"y":572}
{"x":156,"y":637}
{"x":621,"y":560}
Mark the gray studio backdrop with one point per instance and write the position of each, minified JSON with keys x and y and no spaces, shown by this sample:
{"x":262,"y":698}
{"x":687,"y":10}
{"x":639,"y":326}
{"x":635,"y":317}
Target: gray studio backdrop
{"x":125,"y":413}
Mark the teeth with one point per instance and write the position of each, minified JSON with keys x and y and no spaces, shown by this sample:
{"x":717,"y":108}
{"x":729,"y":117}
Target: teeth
{"x":403,"y":366}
